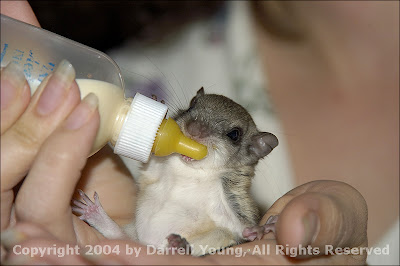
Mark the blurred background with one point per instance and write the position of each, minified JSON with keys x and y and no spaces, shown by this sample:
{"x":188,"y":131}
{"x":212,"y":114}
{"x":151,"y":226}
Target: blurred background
{"x":105,"y":24}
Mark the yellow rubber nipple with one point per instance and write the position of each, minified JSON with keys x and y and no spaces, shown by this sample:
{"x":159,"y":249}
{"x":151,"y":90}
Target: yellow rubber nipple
{"x":170,"y":139}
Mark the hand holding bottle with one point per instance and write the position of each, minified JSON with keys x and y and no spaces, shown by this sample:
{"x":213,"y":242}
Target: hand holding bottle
{"x":48,"y":139}
{"x":55,"y":106}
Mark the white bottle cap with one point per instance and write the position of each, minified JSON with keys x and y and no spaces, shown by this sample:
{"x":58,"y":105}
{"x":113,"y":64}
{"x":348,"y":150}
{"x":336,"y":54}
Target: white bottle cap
{"x":140,"y":128}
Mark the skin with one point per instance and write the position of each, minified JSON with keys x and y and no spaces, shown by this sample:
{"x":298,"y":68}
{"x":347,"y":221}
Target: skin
{"x":34,"y":148}
{"x":344,"y":95}
{"x":20,"y":10}
{"x":337,"y":206}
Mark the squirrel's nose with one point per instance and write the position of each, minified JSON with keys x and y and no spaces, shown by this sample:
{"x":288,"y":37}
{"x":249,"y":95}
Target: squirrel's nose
{"x":197,"y":129}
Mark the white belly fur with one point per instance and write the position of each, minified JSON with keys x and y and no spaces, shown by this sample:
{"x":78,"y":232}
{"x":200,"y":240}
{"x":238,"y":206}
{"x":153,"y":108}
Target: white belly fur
{"x":180,"y":201}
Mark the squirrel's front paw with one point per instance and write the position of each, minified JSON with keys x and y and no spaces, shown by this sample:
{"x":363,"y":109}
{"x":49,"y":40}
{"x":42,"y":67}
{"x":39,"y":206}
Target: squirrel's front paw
{"x":177,"y":242}
{"x":257,"y":232}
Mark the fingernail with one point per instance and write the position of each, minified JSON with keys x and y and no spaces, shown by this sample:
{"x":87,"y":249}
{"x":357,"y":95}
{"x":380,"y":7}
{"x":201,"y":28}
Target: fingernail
{"x":56,"y":88}
{"x":11,"y":237}
{"x":14,"y":76}
{"x":82,"y":112}
{"x":311,"y":228}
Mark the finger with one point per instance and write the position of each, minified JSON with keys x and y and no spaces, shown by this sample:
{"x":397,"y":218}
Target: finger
{"x":51,"y":103}
{"x":20,"y":10}
{"x":251,"y":253}
{"x":45,"y":251}
{"x":321,"y":214}
{"x":267,"y":252}
{"x":133,"y":253}
{"x":18,"y":234}
{"x":21,"y":232}
{"x":15,"y":95}
{"x":46,"y":193}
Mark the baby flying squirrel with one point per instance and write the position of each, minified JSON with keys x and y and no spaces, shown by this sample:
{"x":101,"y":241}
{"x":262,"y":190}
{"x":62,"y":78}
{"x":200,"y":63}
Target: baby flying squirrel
{"x":205,"y":204}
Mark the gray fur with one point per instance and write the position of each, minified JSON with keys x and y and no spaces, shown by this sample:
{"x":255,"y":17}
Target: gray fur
{"x":236,"y":185}
{"x":215,"y":116}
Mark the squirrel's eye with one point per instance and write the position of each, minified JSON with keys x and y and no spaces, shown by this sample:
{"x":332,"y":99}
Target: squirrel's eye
{"x":235,"y":134}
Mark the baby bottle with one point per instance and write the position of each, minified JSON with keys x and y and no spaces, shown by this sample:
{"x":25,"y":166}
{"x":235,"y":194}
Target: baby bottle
{"x":135,"y":127}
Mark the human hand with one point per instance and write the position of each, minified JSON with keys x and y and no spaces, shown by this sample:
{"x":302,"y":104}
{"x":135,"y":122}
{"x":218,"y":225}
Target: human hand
{"x":339,"y":221}
{"x":24,"y":131}
{"x":47,"y":139}
{"x":323,"y":214}
{"x":26,"y":123}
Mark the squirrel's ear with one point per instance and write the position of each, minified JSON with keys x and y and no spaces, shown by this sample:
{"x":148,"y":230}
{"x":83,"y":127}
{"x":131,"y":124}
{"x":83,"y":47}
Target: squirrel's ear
{"x":194,"y":99}
{"x":200,"y":92}
{"x":262,"y":144}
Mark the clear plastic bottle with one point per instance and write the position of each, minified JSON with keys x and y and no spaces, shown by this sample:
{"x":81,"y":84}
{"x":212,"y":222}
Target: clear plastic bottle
{"x":135,"y":127}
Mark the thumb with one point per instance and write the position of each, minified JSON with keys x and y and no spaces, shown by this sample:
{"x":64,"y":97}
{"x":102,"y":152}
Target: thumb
{"x":322,"y":214}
